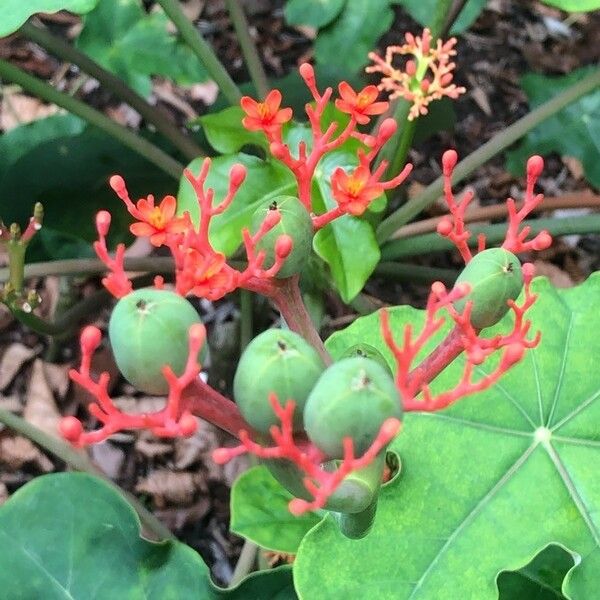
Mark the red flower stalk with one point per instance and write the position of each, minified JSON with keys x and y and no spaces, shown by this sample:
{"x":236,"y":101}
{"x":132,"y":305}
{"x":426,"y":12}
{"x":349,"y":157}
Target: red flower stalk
{"x":199,"y":269}
{"x":426,"y":77}
{"x":463,"y":338}
{"x":354,"y":191}
{"x":320,"y":484}
{"x":189,"y":397}
{"x":453,"y":227}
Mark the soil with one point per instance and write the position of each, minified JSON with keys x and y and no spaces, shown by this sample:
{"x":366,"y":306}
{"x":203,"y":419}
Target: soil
{"x":177,"y":479}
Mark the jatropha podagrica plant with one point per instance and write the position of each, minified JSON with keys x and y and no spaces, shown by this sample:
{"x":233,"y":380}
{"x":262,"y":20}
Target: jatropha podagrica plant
{"x":321,"y":427}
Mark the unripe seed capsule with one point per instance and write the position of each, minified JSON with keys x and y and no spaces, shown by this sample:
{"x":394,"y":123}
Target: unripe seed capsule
{"x":295,"y":222}
{"x":148,"y":329}
{"x":277,"y":361}
{"x":366,"y":351}
{"x":353,"y":397}
{"x":494,"y":277}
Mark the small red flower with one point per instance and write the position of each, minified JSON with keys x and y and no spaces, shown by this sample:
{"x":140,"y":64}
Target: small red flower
{"x":354,"y":192}
{"x":158,"y":221}
{"x":360,"y":105}
{"x":265,"y":116}
{"x":206,"y":275}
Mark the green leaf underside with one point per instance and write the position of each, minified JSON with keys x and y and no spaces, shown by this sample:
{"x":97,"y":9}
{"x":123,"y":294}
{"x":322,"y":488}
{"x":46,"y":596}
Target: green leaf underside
{"x":268,"y":524}
{"x":16,"y":12}
{"x":264,"y":180}
{"x":348,"y":244}
{"x":422,"y":11}
{"x":574,"y":5}
{"x":134,"y":45}
{"x":487,"y":483}
{"x":573,"y":131}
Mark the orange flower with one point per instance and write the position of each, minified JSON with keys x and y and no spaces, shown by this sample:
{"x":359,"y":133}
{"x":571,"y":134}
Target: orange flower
{"x":265,"y":116}
{"x":354,"y":192}
{"x":158,"y":221}
{"x":360,"y":105}
{"x":206,"y":275}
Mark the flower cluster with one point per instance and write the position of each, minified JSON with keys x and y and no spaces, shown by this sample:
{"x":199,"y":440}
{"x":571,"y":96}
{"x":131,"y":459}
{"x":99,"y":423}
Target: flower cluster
{"x":354,"y":191}
{"x":425,"y":77}
{"x":199,"y":269}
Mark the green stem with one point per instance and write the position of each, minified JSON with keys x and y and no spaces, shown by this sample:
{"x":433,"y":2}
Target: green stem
{"x":245,"y":563}
{"x":80,"y":461}
{"x":203,"y":51}
{"x":153,"y":115}
{"x":432,"y":242}
{"x":453,"y":14}
{"x":251,"y":57}
{"x":440,"y":17}
{"x":494,"y":146}
{"x":415,"y":273}
{"x":16,"y":264}
{"x":246,"y":318}
{"x":47,"y":93}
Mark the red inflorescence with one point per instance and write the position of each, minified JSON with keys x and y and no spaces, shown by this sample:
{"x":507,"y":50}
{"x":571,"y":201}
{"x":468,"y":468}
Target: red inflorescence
{"x":319,"y":483}
{"x":353,"y":192}
{"x":453,"y":226}
{"x":199,"y":269}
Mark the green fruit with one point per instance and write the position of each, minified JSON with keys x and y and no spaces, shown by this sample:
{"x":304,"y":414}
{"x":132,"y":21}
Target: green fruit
{"x":278,"y":361}
{"x":495,"y":277}
{"x":366,"y":351}
{"x":352,"y":398}
{"x":295,"y":222}
{"x":148,"y":328}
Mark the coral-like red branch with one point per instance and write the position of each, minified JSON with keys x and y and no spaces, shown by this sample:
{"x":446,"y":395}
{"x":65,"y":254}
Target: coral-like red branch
{"x":319,"y":483}
{"x":413,"y":385}
{"x":173,"y":421}
{"x":453,"y":226}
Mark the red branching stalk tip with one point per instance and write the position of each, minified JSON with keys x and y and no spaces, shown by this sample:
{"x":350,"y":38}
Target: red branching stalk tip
{"x":425,"y":77}
{"x":453,"y":226}
{"x":173,"y":421}
{"x":199,"y":269}
{"x":414,"y":384}
{"x":320,"y":484}
{"x":353,"y":192}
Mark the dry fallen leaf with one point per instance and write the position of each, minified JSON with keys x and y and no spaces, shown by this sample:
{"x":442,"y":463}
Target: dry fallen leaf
{"x":18,"y":109}
{"x":17,"y":451}
{"x":177,"y":518}
{"x":40,"y":406}
{"x":15,"y":356}
{"x":109,"y":458}
{"x":57,"y":377}
{"x":168,"y":487}
{"x":558,"y":277}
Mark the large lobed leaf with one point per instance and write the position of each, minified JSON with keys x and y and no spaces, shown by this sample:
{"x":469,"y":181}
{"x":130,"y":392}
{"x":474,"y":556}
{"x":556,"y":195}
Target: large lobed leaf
{"x":488,"y":483}
{"x":71,"y":535}
{"x":573,"y":131}
{"x":16,"y":12}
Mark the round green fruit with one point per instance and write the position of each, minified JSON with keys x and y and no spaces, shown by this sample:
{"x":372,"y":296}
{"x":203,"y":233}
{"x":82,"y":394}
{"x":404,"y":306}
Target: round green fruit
{"x":352,"y":398}
{"x":366,"y":351}
{"x":277,"y":361}
{"x":295,"y":222}
{"x":148,"y":329}
{"x":495,"y":277}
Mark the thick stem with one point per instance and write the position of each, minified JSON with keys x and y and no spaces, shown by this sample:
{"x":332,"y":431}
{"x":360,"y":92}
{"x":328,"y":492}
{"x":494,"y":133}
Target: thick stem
{"x":203,"y":51}
{"x":79,"y":460}
{"x":288,"y":300}
{"x":153,"y":115}
{"x":16,"y":264}
{"x":130,"y":139}
{"x":432,"y":242}
{"x":494,"y":146}
{"x":251,"y":57}
{"x":245,"y":563}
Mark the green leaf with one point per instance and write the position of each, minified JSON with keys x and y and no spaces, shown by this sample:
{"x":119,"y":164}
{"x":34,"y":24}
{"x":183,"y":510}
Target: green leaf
{"x":69,"y":175}
{"x":314,"y":13}
{"x":422,"y":11}
{"x":348,"y":244}
{"x":71,"y":535}
{"x":573,"y":131}
{"x":16,"y":12}
{"x":541,"y":579}
{"x":259,"y":512}
{"x":487,"y":483}
{"x":348,"y":40}
{"x":272,"y":584}
{"x":265,"y":179}
{"x":574,"y":5}
{"x":225,"y":132}
{"x":134,"y":45}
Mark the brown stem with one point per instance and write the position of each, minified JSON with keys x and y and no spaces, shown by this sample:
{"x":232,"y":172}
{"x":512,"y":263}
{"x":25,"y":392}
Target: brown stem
{"x":450,"y":348}
{"x":485,"y":213}
{"x":208,"y":404}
